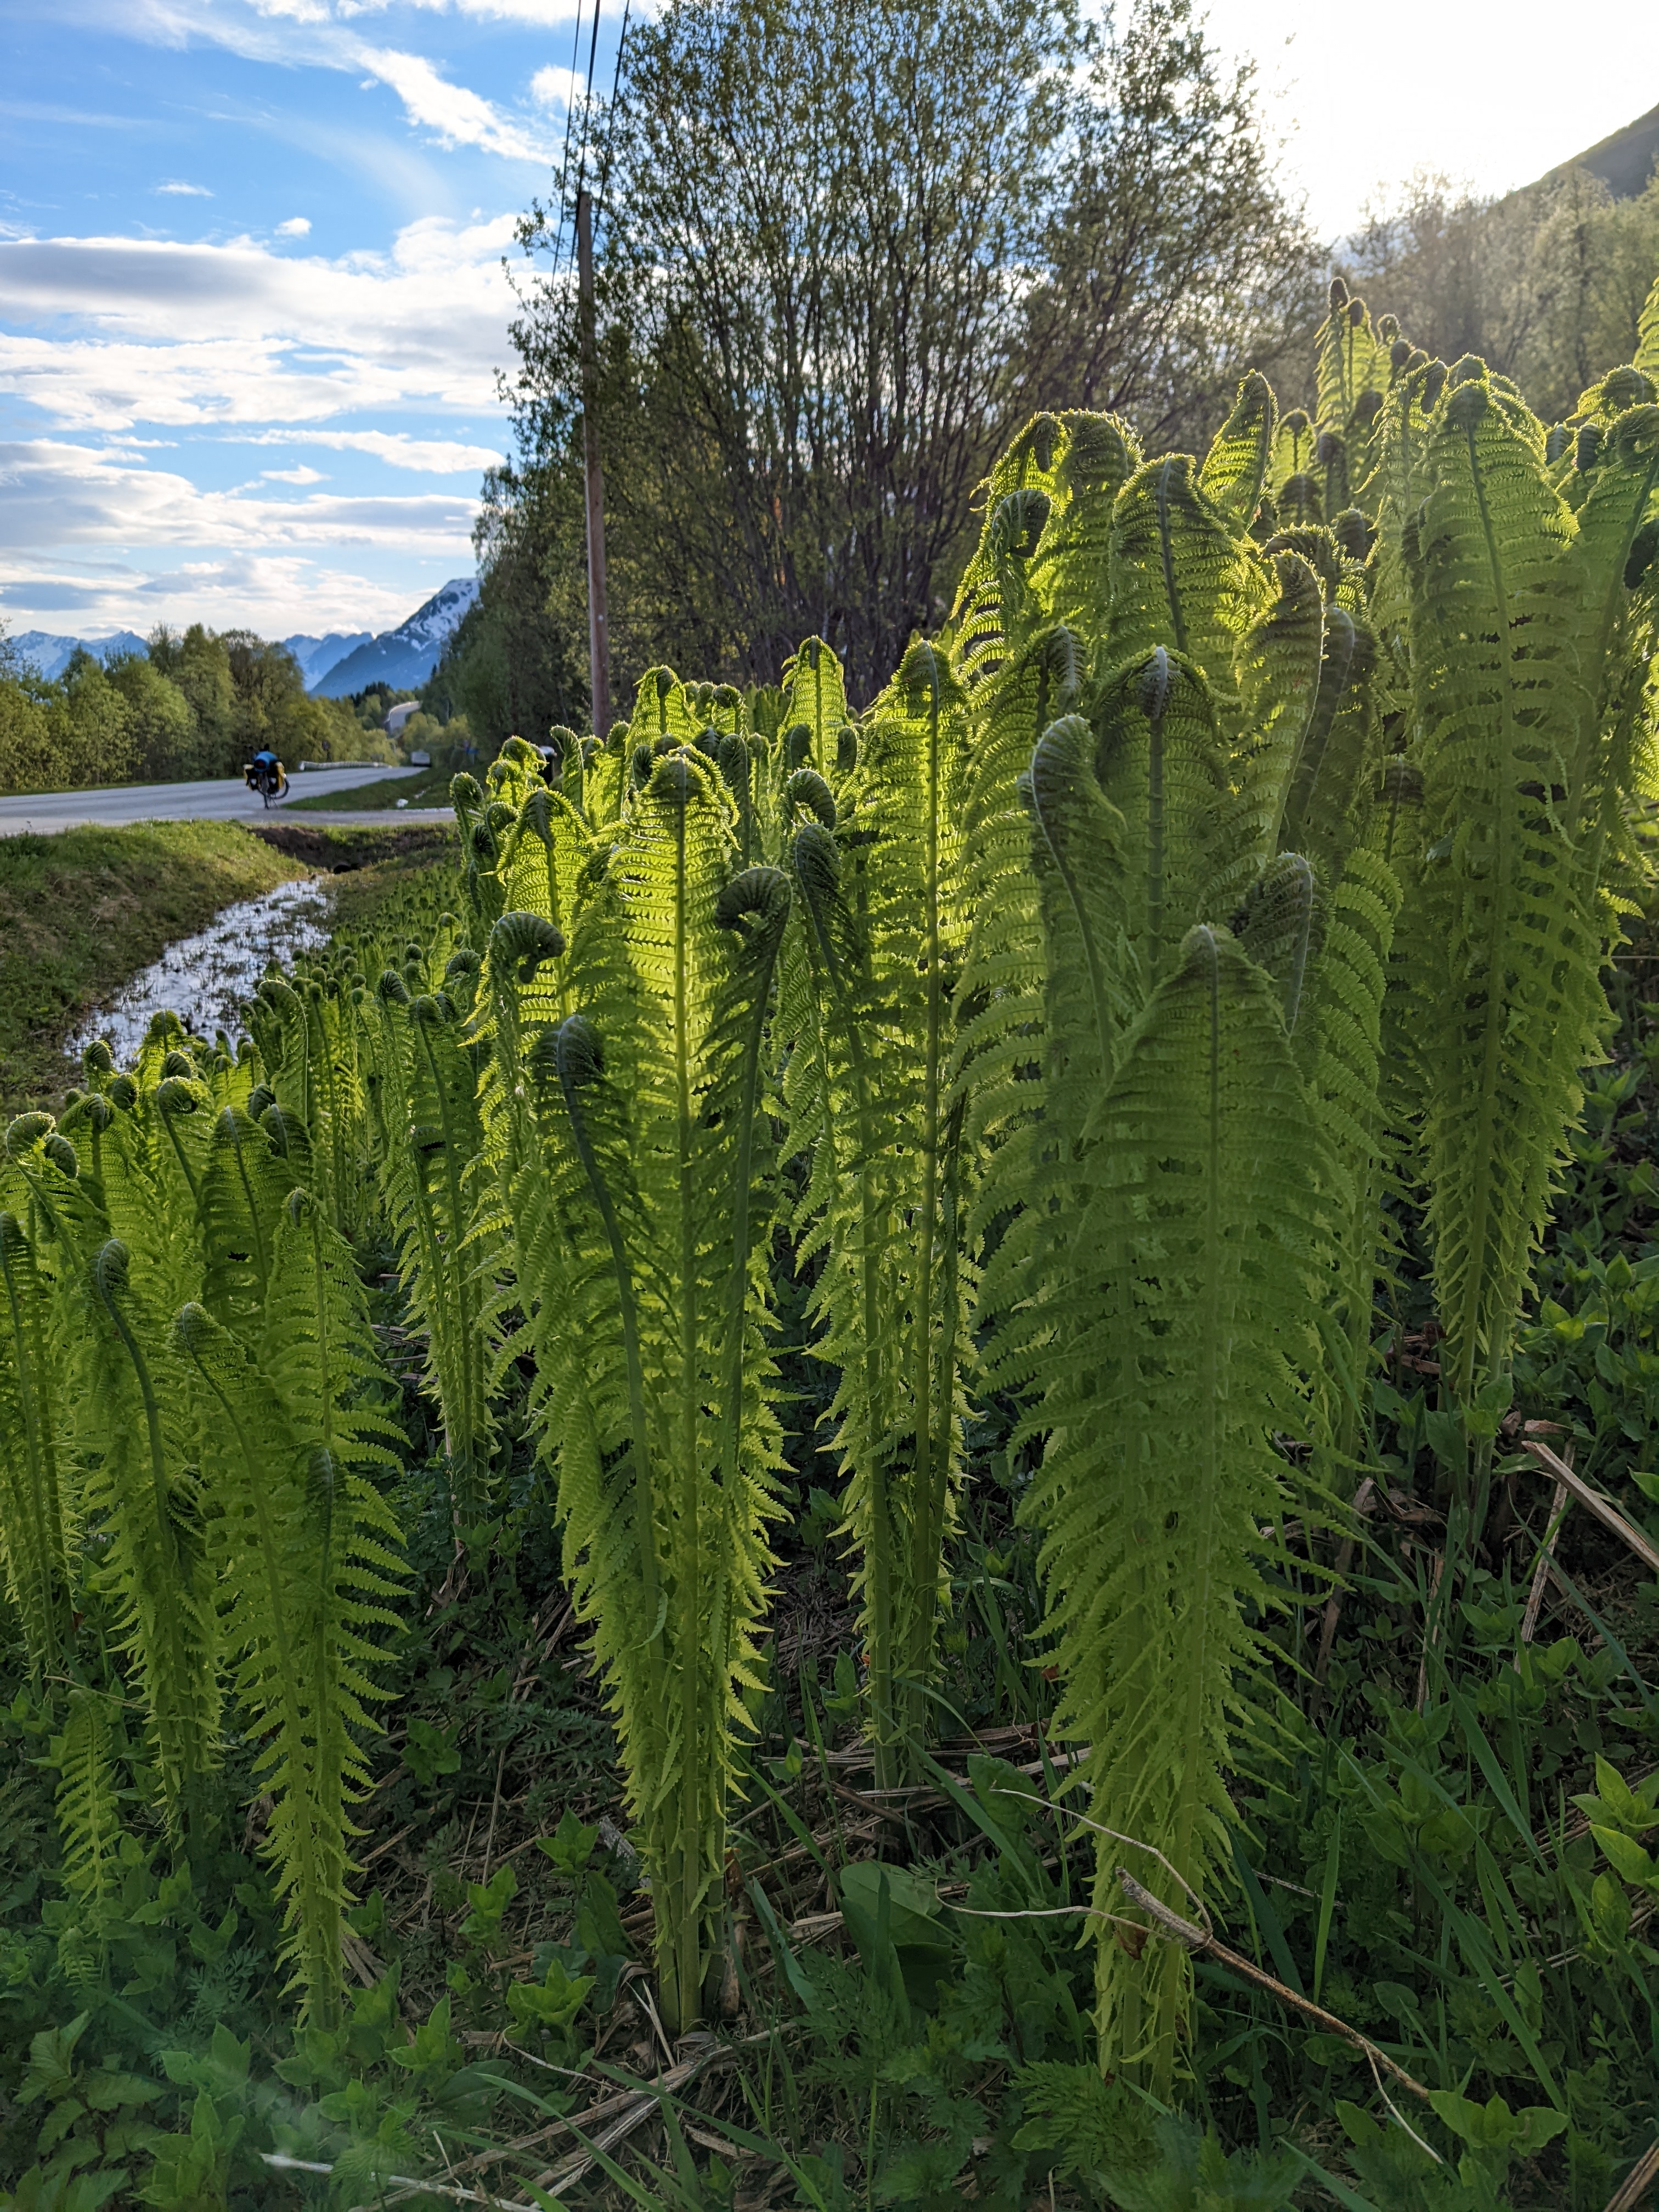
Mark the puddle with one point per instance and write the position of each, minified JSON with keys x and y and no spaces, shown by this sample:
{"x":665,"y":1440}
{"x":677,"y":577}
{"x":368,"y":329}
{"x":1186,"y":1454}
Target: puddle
{"x":204,"y":979}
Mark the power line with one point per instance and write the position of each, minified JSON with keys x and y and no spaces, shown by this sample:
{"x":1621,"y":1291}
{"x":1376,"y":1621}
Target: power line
{"x":569,"y":111}
{"x":587,"y":108}
{"x":610,"y":112}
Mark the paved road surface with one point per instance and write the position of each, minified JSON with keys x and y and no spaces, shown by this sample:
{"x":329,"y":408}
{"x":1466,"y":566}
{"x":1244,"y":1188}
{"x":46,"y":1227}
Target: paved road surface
{"x":223,"y":799}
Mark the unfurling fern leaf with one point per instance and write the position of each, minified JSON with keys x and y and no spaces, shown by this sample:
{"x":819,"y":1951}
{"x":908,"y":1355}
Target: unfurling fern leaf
{"x":1179,"y":1309}
{"x":1506,"y":938}
{"x":883,"y":912}
{"x":641,"y":1252}
{"x":142,"y":1487}
{"x":432,"y":1086}
{"x":36,"y":1523}
{"x":307,"y":1557}
{"x":1235,"y":469}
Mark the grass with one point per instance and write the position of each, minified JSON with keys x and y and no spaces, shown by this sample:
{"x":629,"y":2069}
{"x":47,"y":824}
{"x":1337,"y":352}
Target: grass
{"x":423,"y":787}
{"x":84,"y":910}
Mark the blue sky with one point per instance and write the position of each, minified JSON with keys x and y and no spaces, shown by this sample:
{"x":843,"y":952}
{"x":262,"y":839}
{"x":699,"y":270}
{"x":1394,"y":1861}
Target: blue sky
{"x":252,"y":306}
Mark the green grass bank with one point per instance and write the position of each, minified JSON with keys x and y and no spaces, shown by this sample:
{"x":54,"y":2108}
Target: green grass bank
{"x":84,"y":910}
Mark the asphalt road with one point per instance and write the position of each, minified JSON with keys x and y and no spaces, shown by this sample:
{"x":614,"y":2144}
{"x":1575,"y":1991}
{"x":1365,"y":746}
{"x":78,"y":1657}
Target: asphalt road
{"x":223,"y":799}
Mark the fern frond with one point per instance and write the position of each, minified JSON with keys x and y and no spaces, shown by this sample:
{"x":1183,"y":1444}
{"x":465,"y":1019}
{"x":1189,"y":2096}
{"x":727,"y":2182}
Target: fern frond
{"x":1506,"y":942}
{"x":306,"y":1557}
{"x":1647,"y":335}
{"x":885,"y":915}
{"x":1070,"y":568}
{"x":650,"y":1181}
{"x":36,"y":1517}
{"x":1179,"y":577}
{"x":1180,"y":1307}
{"x":1235,"y":469}
{"x":142,"y":1491}
{"x":817,"y":703}
{"x":87,"y":1805}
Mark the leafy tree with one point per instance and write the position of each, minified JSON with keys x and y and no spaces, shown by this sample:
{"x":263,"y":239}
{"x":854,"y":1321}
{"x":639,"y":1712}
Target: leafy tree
{"x":199,"y":664}
{"x":160,"y":726}
{"x":819,"y":328}
{"x":1545,"y":284}
{"x":508,"y":669}
{"x":89,"y":727}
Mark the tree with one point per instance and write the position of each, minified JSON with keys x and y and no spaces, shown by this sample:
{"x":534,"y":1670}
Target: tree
{"x":198,"y":664}
{"x":160,"y":723}
{"x":1546,"y":284}
{"x":846,"y":247}
{"x":89,"y":727}
{"x":507,"y":671}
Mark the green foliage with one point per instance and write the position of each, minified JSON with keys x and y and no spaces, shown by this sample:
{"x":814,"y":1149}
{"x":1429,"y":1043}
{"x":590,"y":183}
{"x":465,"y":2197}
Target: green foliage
{"x":648,"y":1161}
{"x":195,"y":705}
{"x":883,"y":919}
{"x":1518,"y":623}
{"x":36,"y":1515}
{"x":1042,"y":1092}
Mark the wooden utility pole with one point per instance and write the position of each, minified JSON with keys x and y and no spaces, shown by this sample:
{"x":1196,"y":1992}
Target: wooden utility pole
{"x":599,"y":618}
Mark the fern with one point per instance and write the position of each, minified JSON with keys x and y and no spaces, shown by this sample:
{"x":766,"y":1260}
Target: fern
{"x":1507,"y":933}
{"x":883,"y":909}
{"x":1179,"y":575}
{"x":87,"y":1803}
{"x":1647,"y":335}
{"x":641,"y":1248}
{"x":431,"y":1083}
{"x":36,"y":1518}
{"x":307,"y":1557}
{"x":1179,"y":1313}
{"x":141,"y":1490}
{"x":1235,"y":469}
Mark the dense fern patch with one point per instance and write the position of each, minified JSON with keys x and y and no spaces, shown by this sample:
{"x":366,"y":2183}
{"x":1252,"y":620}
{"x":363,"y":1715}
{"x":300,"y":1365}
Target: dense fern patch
{"x":902,"y":1454}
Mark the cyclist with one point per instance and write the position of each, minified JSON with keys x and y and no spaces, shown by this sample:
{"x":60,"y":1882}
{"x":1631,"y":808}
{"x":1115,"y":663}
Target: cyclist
{"x":264,"y":773}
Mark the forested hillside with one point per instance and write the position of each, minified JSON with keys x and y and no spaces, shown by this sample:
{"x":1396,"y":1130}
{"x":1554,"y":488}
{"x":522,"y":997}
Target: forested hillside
{"x":192,"y":705}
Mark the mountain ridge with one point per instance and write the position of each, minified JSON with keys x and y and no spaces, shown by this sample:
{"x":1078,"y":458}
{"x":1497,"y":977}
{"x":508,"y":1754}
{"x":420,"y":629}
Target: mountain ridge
{"x":50,"y":655}
{"x":403,"y":657}
{"x":333,"y":666}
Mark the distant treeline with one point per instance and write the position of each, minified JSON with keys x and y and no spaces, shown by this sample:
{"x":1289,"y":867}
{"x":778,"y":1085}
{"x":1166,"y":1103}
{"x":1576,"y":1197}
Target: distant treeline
{"x":195,"y":704}
{"x":1546,"y":283}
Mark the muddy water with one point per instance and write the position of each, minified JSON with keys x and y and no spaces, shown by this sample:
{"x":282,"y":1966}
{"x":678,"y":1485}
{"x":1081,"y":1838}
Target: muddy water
{"x":205,"y":978}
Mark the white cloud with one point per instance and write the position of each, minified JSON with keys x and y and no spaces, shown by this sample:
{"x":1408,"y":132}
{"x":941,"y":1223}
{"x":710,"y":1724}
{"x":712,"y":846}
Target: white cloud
{"x":431,"y":456}
{"x":186,"y":191}
{"x":149,"y":331}
{"x":275,"y":594}
{"x":299,"y":475}
{"x":556,"y":87}
{"x":460,"y":116}
{"x":59,"y":495}
{"x":297,"y":226}
{"x":545,"y":15}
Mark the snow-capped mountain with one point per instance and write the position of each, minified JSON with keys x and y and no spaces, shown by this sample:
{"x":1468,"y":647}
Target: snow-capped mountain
{"x":333,"y":667}
{"x":406,"y":656}
{"x":317,"y":655}
{"x":41,"y":649}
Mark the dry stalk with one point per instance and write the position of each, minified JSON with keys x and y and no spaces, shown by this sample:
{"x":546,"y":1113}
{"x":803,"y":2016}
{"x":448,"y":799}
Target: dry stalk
{"x":1431,"y":1636}
{"x":1203,"y":1943}
{"x":1593,"y":1502}
{"x":1541,"y":1574}
{"x":1363,"y":1499}
{"x":1637,"y":2183}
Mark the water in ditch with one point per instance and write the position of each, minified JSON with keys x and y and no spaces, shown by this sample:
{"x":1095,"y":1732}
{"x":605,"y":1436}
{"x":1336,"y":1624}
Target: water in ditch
{"x":204,"y":979}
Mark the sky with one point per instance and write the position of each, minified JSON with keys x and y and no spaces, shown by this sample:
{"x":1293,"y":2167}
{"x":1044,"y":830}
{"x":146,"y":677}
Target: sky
{"x":251,"y":302}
